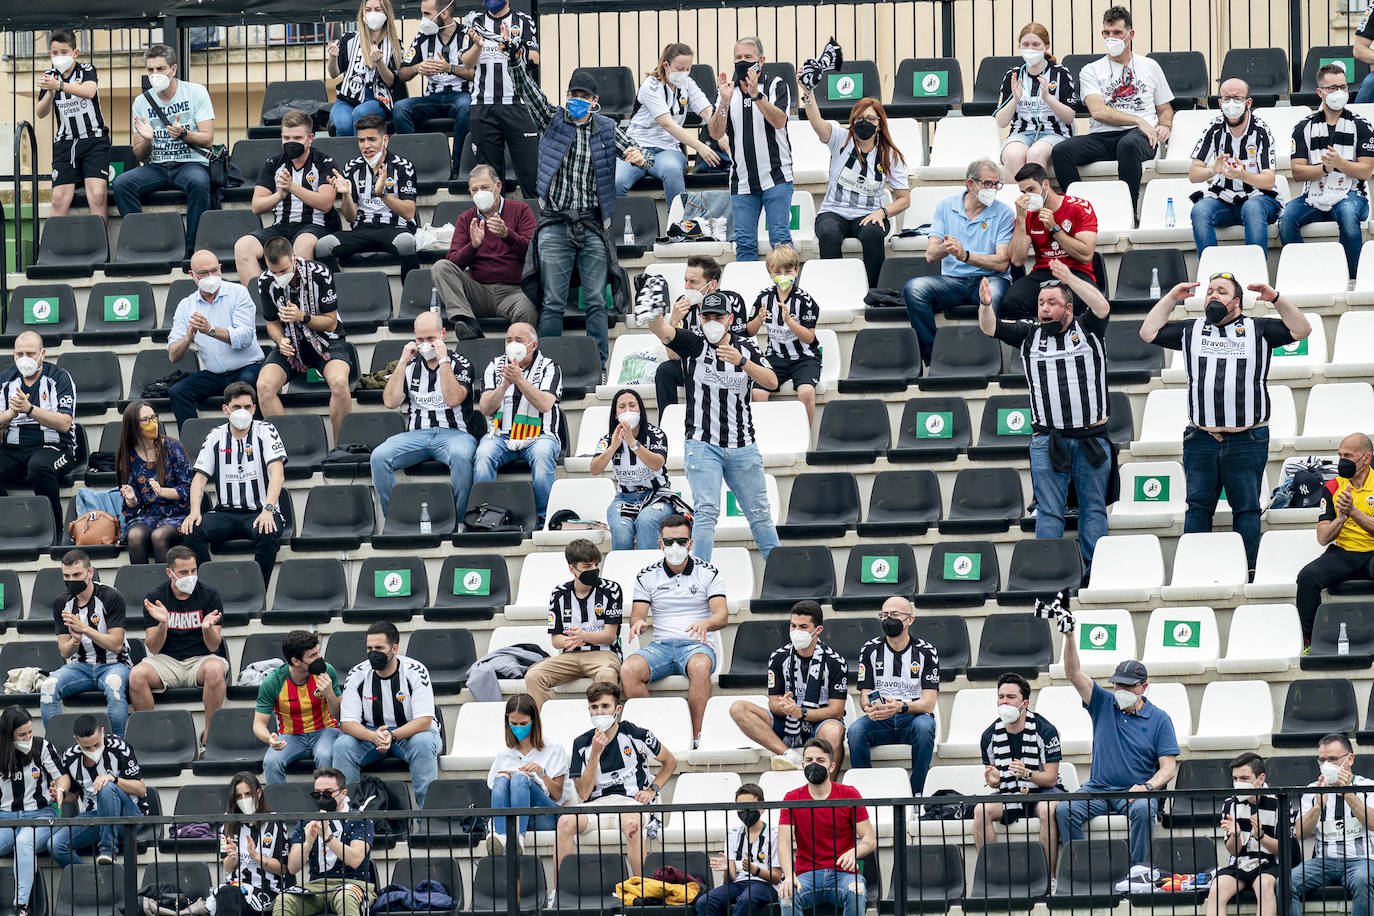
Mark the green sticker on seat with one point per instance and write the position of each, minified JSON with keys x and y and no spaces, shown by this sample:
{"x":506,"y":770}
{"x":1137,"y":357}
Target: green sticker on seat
{"x":472,"y":581}
{"x":391,"y":583}
{"x":2,"y":595}
{"x":794,"y":222}
{"x":962,"y":567}
{"x":878,"y":569}
{"x":1296,"y":348}
{"x":732,"y":509}
{"x":935,"y":424}
{"x":1347,"y":62}
{"x":1097,"y":637}
{"x":1152,"y":489}
{"x":313,"y":377}
{"x":929,"y":83}
{"x":1013,"y":421}
{"x":582,"y":303}
{"x":845,"y":86}
{"x":1182,"y":634}
{"x":40,"y":310}
{"x":116,"y":169}
{"x":121,"y":308}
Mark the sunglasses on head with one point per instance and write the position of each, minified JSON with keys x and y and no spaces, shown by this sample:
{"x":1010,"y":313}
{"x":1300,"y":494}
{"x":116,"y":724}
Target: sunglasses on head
{"x":1223,"y":275}
{"x":1047,"y":284}
{"x":681,"y":542}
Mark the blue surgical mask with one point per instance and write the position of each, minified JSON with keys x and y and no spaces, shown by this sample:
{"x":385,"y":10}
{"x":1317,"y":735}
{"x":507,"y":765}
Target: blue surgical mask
{"x":521,"y":732}
{"x":578,"y":108}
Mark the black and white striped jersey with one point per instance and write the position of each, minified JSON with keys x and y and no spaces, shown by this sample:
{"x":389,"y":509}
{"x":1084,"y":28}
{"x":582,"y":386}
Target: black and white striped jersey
{"x":813,"y":682}
{"x":312,"y":175}
{"x":760,"y":154}
{"x":104,"y":613}
{"x":1253,"y":152}
{"x":1351,"y":137}
{"x":357,"y":76}
{"x":603,"y":605}
{"x":516,"y":418}
{"x":428,"y":47}
{"x":631,"y":474}
{"x":623,"y":765}
{"x":373,"y":701}
{"x":783,"y":344}
{"x":717,"y":402}
{"x":76,"y":118}
{"x":400,"y":182}
{"x":1228,"y":368}
{"x":1066,"y":371}
{"x":116,"y":759}
{"x":260,"y":886}
{"x":26,"y":789}
{"x":899,"y":675}
{"x":1252,"y":856}
{"x":238,"y":467}
{"x":425,"y":395}
{"x":494,"y":85}
{"x":1340,"y":832}
{"x":53,"y":391}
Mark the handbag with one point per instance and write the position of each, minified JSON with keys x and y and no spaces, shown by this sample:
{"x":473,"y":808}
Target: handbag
{"x":223,"y":172}
{"x":488,"y":517}
{"x":94,"y":527}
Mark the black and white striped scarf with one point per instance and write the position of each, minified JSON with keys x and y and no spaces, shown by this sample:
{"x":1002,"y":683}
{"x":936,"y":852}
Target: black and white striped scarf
{"x":832,"y":58}
{"x":300,"y":333}
{"x":1032,"y":755}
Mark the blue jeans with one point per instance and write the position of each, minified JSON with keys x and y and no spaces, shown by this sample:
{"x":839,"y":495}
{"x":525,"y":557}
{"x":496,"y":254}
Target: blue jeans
{"x":447,"y":104}
{"x":520,"y":790}
{"x":420,"y":752}
{"x":670,"y":167}
{"x":924,"y":295}
{"x":110,"y":801}
{"x":745,"y":209}
{"x":642,"y":530}
{"x":739,"y":898}
{"x":345,"y":114}
{"x":903,"y":728}
{"x":78,"y":677}
{"x":742,"y":470}
{"x":1140,"y":812}
{"x":1349,"y":215}
{"x":192,"y":178}
{"x":1052,"y":492}
{"x":1235,"y":463}
{"x":843,"y":890}
{"x":1366,"y":93}
{"x":1213,"y":213}
{"x":26,"y":843}
{"x":494,"y":451}
{"x":556,"y":258}
{"x":1317,"y":872}
{"x":667,"y":657}
{"x":453,"y":447}
{"x":187,"y":394}
{"x":318,"y":744}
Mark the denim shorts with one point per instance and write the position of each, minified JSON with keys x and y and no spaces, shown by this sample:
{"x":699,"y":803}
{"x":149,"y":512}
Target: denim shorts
{"x":670,"y":656}
{"x":1030,"y":137}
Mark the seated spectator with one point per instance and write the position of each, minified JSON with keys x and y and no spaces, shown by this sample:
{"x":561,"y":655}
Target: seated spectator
{"x":171,"y":141}
{"x":1128,"y":97}
{"x":1062,"y":228}
{"x":584,"y":626}
{"x":1021,"y":756}
{"x":700,"y":277}
{"x":667,"y":95}
{"x":302,"y":312}
{"x":294,"y":187}
{"x":1339,"y":823}
{"x":220,"y":319}
{"x":407,"y":727}
{"x":863,"y":162}
{"x":154,"y":480}
{"x":39,"y":421}
{"x":252,"y":853}
{"x":899,"y":686}
{"x":436,"y":387}
{"x":301,"y":699}
{"x":520,"y":392}
{"x":246,"y":461}
{"x":338,"y":850}
{"x":1134,"y":750}
{"x":436,"y":52}
{"x":1333,"y":152}
{"x":81,"y":139}
{"x":808,"y":683}
{"x":102,"y":774}
{"x":1235,"y":157}
{"x":789,"y":314}
{"x":527,"y":773}
{"x":1250,"y":825}
{"x":751,"y":865}
{"x":28,"y":768}
{"x":637,"y":453}
{"x":970,"y":235}
{"x":376,"y":194}
{"x":89,"y":617}
{"x":480,"y":275}
{"x":820,"y":848}
{"x":1346,"y":529}
{"x":1036,"y":101}
{"x":183,"y":624}
{"x":368,"y":66}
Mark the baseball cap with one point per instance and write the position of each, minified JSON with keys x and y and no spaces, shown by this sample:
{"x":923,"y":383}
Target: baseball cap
{"x":1129,"y":673}
{"x":715,"y":304}
{"x":583,"y":81}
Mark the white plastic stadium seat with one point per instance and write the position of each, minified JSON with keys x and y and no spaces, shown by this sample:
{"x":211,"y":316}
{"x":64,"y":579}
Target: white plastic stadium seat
{"x":1181,"y":640}
{"x":1281,"y":121}
{"x":782,"y":432}
{"x":1312,"y":275}
{"x":539,"y":635}
{"x":924,"y":200}
{"x":962,"y":779}
{"x":1188,"y":129}
{"x":1283,"y":418}
{"x":1154,"y":205}
{"x":1264,"y":638}
{"x":634,"y":359}
{"x":731,"y":525}
{"x":831,"y":367}
{"x":838,"y":285}
{"x":700,"y":827}
{"x":974,"y":708}
{"x":1363,"y":293}
{"x":1207,"y":565}
{"x":1330,"y":408}
{"x":1126,"y":568}
{"x":681,"y":251}
{"x":1282,"y":555}
{"x":777,"y":783}
{"x":1162,"y":423}
{"x":593,"y":425}
{"x":1301,"y":359}
{"x":588,"y":497}
{"x":563,"y":720}
{"x":1105,"y":638}
{"x":667,"y":717}
{"x":1062,"y":705}
{"x":958,"y":141}
{"x":880,"y":782}
{"x":539,"y":573}
{"x":804,"y":231}
{"x":1248,"y":263}
{"x":1111,"y":201}
{"x":1351,"y":356}
{"x":722,"y":743}
{"x":1234,"y":716}
{"x":906,"y":136}
{"x":810,"y":157}
{"x":1173,"y":699}
{"x":1153,"y":495}
{"x":478,"y":736}
{"x":748,"y":278}
{"x":672,"y":271}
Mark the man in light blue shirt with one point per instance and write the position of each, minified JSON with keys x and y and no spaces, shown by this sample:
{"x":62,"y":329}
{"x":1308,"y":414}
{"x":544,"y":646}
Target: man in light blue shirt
{"x":970,"y":235}
{"x":219,"y":318}
{"x":173,"y":152}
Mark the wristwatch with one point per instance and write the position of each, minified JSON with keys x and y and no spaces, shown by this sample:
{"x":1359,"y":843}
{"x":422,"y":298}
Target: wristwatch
{"x":758,"y":97}
{"x":1148,"y":786}
{"x":904,"y":706}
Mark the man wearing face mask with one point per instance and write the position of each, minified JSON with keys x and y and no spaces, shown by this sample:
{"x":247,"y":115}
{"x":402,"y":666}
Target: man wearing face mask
{"x":1054,"y":228}
{"x":89,"y":617}
{"x":388,"y":711}
{"x":501,"y":126}
{"x":1340,"y":823}
{"x":584,"y":626}
{"x":750,"y":864}
{"x":808,"y":683}
{"x":1333,"y":152}
{"x":301,"y":698}
{"x":38,"y":423}
{"x":1227,"y":357}
{"x":103,"y":775}
{"x":1250,"y":826}
{"x":437,"y":54}
{"x":1235,"y":157}
{"x":701,"y":276}
{"x":1134,"y":750}
{"x":480,"y":275}
{"x":338,"y":851}
{"x":1346,"y":529}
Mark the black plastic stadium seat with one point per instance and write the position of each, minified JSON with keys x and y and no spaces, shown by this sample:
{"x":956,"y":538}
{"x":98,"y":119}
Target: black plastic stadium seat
{"x":448,"y":653}
{"x":839,"y":89}
{"x":961,"y":357}
{"x":364,"y":300}
{"x":1005,"y":430}
{"x":847,"y":635}
{"x":149,"y":243}
{"x":851,"y":431}
{"x":1317,"y":707}
{"x":389,"y":588}
{"x":369,"y":428}
{"x":1358,"y":619}
{"x":194,"y":431}
{"x":468,"y":159}
{"x":482,"y":350}
{"x":409,"y":872}
{"x":1008,"y":874}
{"x":586,"y":879}
{"x":1074,"y":63}
{"x":26,"y":527}
{"x":987,"y":84}
{"x":402,"y":525}
{"x":345,"y":648}
{"x":243,"y":545}
{"x":1134,"y":273}
{"x":883,"y":359}
{"x":471,"y":586}
{"x":11,"y":598}
{"x":43,"y":655}
{"x":902,"y":502}
{"x":1013,"y":642}
{"x":309,"y":590}
{"x":1130,"y":360}
{"x":239,"y":583}
{"x":577,"y":357}
{"x":118,"y":311}
{"x":643,"y":214}
{"x":108,"y":442}
{"x":985,"y":500}
{"x":1187,"y":77}
{"x":960,"y":573}
{"x":894,"y":275}
{"x":787,"y":73}
{"x":164,"y":739}
{"x":517,"y":495}
{"x":417,"y":295}
{"x":231,"y":745}
{"x":1355,"y":71}
{"x":134,"y":581}
{"x":616,"y":90}
{"x":86,"y":891}
{"x":791,"y":574}
{"x":218,"y":230}
{"x":341,"y":149}
{"x":95,"y":373}
{"x":1198,"y":810}
{"x":875,"y":572}
{"x":250,"y":156}
{"x":1120,"y":420}
{"x":205,"y":799}
{"x":1265,"y":70}
{"x":489,"y":885}
{"x":1041,"y":567}
{"x":47,"y":585}
{"x":1184,"y":855}
{"x":934,"y":879}
{"x":430,"y":155}
{"x":337,"y":517}
{"x":72,"y":246}
{"x":190,"y":878}
{"x":47,"y":308}
{"x":284,"y":92}
{"x":926,"y":88}
{"x":931,"y":429}
{"x":1089,"y":873}
{"x":822,"y":505}
{"x":450,"y":832}
{"x":948,"y":633}
{"x":304,"y":438}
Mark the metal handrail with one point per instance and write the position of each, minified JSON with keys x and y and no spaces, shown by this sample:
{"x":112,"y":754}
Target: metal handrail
{"x":20,"y":129}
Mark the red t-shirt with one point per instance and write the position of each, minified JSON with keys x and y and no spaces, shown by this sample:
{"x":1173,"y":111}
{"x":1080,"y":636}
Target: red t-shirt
{"x":822,"y":834}
{"x":1074,"y":215}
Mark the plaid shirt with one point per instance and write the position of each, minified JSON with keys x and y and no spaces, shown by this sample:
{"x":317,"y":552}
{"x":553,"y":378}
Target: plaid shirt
{"x":573,"y":186}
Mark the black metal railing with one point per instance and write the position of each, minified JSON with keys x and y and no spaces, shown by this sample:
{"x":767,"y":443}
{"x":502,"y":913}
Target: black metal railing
{"x":22,"y":130}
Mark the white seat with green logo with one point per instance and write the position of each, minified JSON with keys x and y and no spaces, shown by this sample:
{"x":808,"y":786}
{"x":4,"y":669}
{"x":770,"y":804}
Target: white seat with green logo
{"x":1105,"y":637}
{"x":1153,"y":495}
{"x":1181,"y":640}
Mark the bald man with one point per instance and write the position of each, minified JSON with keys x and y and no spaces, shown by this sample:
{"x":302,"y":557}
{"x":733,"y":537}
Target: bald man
{"x":433,"y":383}
{"x":38,"y":423}
{"x":1236,"y":158}
{"x":219,"y":319}
{"x":1346,"y":528}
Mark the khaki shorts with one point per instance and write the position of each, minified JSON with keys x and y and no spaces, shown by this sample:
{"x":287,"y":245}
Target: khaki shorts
{"x":611,"y":820}
{"x":174,"y":672}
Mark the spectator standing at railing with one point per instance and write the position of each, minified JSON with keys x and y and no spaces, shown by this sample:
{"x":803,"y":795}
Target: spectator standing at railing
{"x":665,"y":98}
{"x":1340,"y":823}
{"x":436,"y":52}
{"x":81,"y":139}
{"x":1250,"y":825}
{"x":368,"y":67}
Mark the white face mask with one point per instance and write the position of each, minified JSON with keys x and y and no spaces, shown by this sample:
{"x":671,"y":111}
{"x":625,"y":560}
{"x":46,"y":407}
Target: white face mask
{"x":693,"y":296}
{"x":679,"y":78}
{"x":240,"y":418}
{"x":1008,"y":713}
{"x":186,"y":584}
{"x":428,"y":27}
{"x":630,"y":418}
{"x":1036,"y":203}
{"x":986,"y":196}
{"x":800,"y":639}
{"x":159,"y":81}
{"x":1125,"y":698}
{"x":26,"y":365}
{"x":1032,"y":56}
{"x":209,"y":285}
{"x":515,"y":351}
{"x":374,"y":20}
{"x":426,"y":350}
{"x":1331,"y":771}
{"x":675,"y":554}
{"x":24,"y":747}
{"x":283,"y":280}
{"x":247,"y":805}
{"x":1233,"y":108}
{"x":1242,"y":786}
{"x":603,"y":722}
{"x":63,"y":62}
{"x":713,"y":331}
{"x":93,"y":756}
{"x":484,"y":199}
{"x":1336,"y":100}
{"x":1114,"y":46}
{"x":374,"y":159}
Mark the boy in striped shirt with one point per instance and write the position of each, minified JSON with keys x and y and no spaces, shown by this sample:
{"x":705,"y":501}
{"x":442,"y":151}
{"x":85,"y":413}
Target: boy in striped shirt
{"x":303,"y":696}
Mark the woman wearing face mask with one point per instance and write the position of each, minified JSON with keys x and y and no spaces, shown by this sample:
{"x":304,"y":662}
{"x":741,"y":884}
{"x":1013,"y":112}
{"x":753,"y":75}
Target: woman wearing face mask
{"x":527,"y":774}
{"x":637,"y":452}
{"x":750,"y":862}
{"x":28,"y":766}
{"x":665,"y":98}
{"x":865,"y":169}
{"x":1036,"y":102}
{"x":368,"y":58}
{"x":154,"y":482}
{"x":252,"y":853}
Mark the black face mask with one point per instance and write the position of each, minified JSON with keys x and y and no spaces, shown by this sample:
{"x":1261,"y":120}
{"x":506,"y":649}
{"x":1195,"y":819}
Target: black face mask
{"x":864,"y":130}
{"x":815,"y":773}
{"x":293,"y":150}
{"x":77,"y":586}
{"x":1216,"y":311}
{"x":748,"y":816}
{"x":589,"y":577}
{"x":892,"y":627}
{"x":317,"y":667}
{"x":742,"y":68}
{"x":1051,"y":327}
{"x":378,"y":660}
{"x":1344,"y":468}
{"x":325,"y":800}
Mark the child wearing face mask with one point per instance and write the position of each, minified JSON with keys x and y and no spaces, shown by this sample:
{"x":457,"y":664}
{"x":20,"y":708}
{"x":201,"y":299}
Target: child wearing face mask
{"x":252,"y":853}
{"x":81,"y":139}
{"x":750,"y":862}
{"x":1249,"y":825}
{"x":789,"y":315}
{"x":666,"y":96}
{"x":527,"y":773}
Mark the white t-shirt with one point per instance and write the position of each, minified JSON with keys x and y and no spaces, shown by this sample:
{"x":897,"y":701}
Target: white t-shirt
{"x":1135,"y":87}
{"x":552,"y":757}
{"x":857,"y":179}
{"x":656,"y":98}
{"x":190,"y":105}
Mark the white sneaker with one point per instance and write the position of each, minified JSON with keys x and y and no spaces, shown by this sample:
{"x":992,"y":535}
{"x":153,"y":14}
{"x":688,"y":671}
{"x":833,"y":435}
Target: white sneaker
{"x":790,"y":759}
{"x":553,"y":895}
{"x":495,"y":844}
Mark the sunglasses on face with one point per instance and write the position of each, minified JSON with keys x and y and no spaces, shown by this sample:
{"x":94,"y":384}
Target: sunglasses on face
{"x":681,"y":542}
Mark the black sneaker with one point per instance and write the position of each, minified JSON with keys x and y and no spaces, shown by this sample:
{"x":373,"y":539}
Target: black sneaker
{"x":467,"y":328}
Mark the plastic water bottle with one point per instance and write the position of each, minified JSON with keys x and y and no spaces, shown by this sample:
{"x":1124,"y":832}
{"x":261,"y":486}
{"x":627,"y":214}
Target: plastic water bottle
{"x":1169,"y":213}
{"x":1343,"y":641}
{"x":434,"y":301}
{"x":629,"y":231}
{"x":1154,"y":283}
{"x":425,"y":526}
